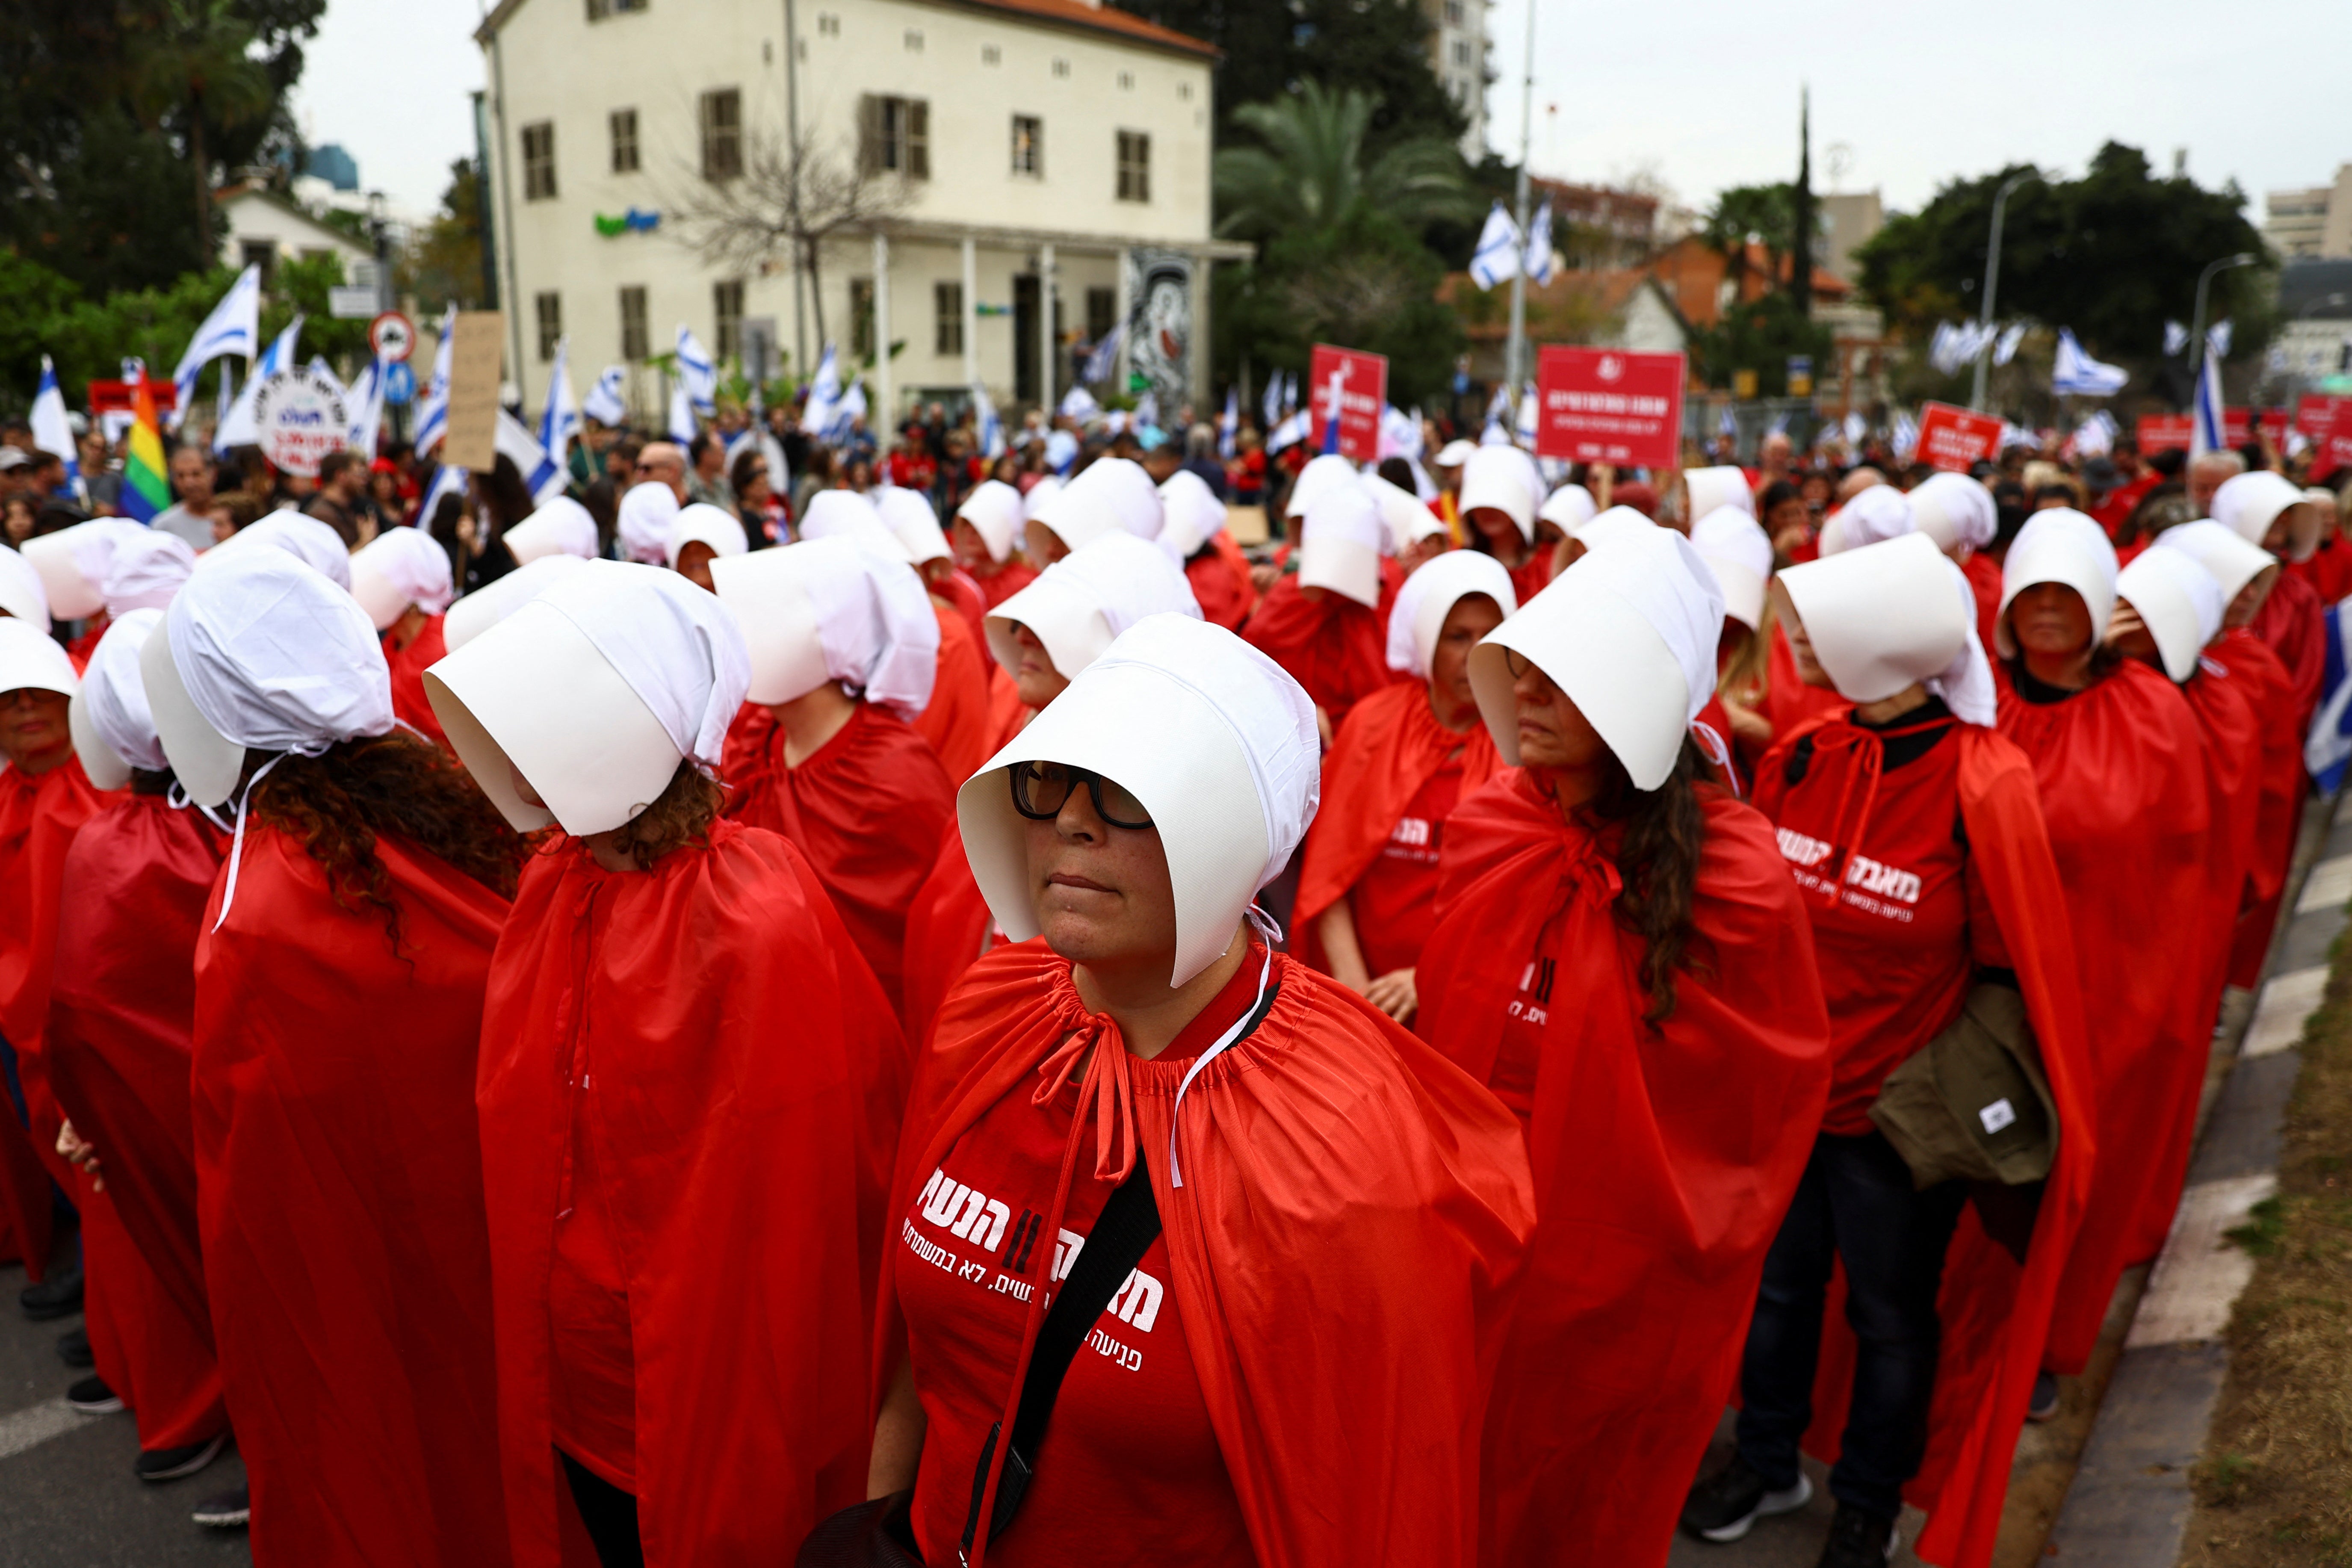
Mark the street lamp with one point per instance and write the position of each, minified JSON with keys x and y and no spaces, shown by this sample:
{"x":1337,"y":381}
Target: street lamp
{"x":2197,"y":326}
{"x":1992,"y":283}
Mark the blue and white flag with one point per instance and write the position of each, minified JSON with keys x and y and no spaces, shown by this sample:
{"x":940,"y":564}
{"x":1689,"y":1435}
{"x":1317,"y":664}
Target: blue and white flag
{"x":1079,"y":403}
{"x":2327,"y":749}
{"x":1539,"y":258}
{"x":224,"y":395}
{"x":603,"y":403}
{"x":1497,"y":258}
{"x":2095,"y":437}
{"x":1525,"y":425}
{"x":366,"y":407}
{"x":1952,"y":347}
{"x":1728,"y":425}
{"x":1905,"y":436}
{"x":991,"y":423}
{"x":559,"y":421}
{"x":681,"y":412}
{"x":2175,"y":338}
{"x":696,"y":372}
{"x":1103,"y":359}
{"x":1290,"y":432}
{"x":238,"y":429}
{"x":446,"y":481}
{"x":433,"y":407}
{"x":233,"y":329}
{"x":541,"y":474}
{"x":823,"y":396}
{"x":852,"y":408}
{"x":2206,"y":413}
{"x":2216,"y":340}
{"x":53,"y":432}
{"x":1269,"y":406}
{"x":1857,"y":429}
{"x":1228,"y":424}
{"x":1780,"y":424}
{"x":2006,"y":350}
{"x":2076,"y":374}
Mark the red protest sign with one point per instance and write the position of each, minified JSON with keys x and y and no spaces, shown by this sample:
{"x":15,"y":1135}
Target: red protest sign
{"x":2335,"y":453}
{"x":2163,"y":432}
{"x":1955,"y":439}
{"x":108,"y":396}
{"x":1353,"y":386}
{"x":2315,"y":414}
{"x":1610,"y":405}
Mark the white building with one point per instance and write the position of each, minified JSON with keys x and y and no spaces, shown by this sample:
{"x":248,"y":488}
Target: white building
{"x":2315,"y":222}
{"x":1053,"y":157}
{"x":261,"y":228}
{"x":1457,"y":53}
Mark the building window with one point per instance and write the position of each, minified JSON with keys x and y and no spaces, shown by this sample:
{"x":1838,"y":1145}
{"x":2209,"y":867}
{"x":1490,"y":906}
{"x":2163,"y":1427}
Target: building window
{"x":1184,"y":91}
{"x":1061,"y":68}
{"x":829,"y":24}
{"x":990,"y":55}
{"x":599,"y":9}
{"x":914,"y":40}
{"x":625,"y":140}
{"x":895,"y":136}
{"x":1452,"y":13}
{"x":549,"y":307}
{"x":261,"y":253}
{"x":1462,"y":53}
{"x":727,"y":307}
{"x":1127,"y":81}
{"x":1134,"y":166}
{"x":633,"y":324}
{"x":1102,"y":310}
{"x":947,"y":311}
{"x":1028,"y":144}
{"x":539,"y":161}
{"x":722,"y":134}
{"x":861,"y":317}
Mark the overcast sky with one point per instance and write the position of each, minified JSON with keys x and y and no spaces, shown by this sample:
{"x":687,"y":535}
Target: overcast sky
{"x":1699,"y":93}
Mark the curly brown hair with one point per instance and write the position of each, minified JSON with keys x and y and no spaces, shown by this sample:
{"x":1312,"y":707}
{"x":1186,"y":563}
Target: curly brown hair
{"x":682,"y":814}
{"x":337,"y":803}
{"x":1657,"y":862}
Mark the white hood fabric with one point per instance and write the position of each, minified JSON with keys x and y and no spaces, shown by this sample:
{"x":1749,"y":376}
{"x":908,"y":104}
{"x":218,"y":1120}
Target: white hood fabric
{"x":1112,"y":493}
{"x":1189,"y":513}
{"x":913,"y":523}
{"x":1039,"y":495}
{"x":2060,"y":545}
{"x":1081,"y":603}
{"x":648,"y":511}
{"x":1211,"y":735}
{"x":846,"y":514}
{"x":2249,"y":504}
{"x":112,"y":730}
{"x":145,"y":572}
{"x":306,"y":538}
{"x":488,"y":604}
{"x":1890,"y":613}
{"x":1873,"y":516}
{"x":1339,"y":544}
{"x":1617,"y":523}
{"x":31,"y":659}
{"x":995,"y":512}
{"x":400,"y":567}
{"x":2227,"y":558}
{"x":1323,"y":473}
{"x":561,"y":526}
{"x":1430,"y":595}
{"x":831,"y":609}
{"x":1405,"y":519}
{"x":73,"y":562}
{"x":680,"y":649}
{"x":1568,"y":509}
{"x":2179,"y":601}
{"x":1455,"y":453}
{"x":22,"y":593}
{"x":703,"y":523}
{"x":1629,"y":633}
{"x":1955,"y":511}
{"x":1733,"y":544}
{"x":1498,"y":476}
{"x":1713,"y":489}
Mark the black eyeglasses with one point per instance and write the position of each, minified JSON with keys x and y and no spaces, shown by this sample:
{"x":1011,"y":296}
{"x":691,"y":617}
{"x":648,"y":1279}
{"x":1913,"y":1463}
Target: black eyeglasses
{"x":1040,"y":790}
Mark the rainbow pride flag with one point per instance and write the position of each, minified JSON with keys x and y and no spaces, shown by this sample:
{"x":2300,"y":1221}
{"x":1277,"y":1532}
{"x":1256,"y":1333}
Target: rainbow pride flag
{"x":146,"y":489}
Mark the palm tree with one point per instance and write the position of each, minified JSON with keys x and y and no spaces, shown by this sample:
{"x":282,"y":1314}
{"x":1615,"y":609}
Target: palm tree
{"x":1762,"y":214}
{"x":192,"y":61}
{"x":1310,"y":174}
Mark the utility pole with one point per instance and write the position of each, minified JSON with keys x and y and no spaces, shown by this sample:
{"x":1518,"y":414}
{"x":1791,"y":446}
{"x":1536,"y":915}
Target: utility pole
{"x":792,"y":133}
{"x":1801,"y":247}
{"x":1992,"y":283}
{"x":1515,"y":370}
{"x":2197,"y":326}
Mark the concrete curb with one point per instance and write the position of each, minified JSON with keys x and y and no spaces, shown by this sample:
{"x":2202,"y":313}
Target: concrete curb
{"x":2129,"y":1504}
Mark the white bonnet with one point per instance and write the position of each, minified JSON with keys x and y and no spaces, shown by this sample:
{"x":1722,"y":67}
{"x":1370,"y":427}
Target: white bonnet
{"x":2179,"y":601}
{"x":2058,"y":545}
{"x":559,"y":526}
{"x":400,"y":567}
{"x":1430,"y":595}
{"x":112,"y":730}
{"x":146,"y":571}
{"x":1732,"y":544}
{"x":306,"y":538}
{"x":832,"y":609}
{"x":1078,"y":605}
{"x":703,"y":523}
{"x":995,"y":512}
{"x":648,"y":509}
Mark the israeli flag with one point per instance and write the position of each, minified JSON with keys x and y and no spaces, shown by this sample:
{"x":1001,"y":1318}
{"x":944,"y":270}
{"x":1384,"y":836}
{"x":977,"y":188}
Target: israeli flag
{"x":1104,"y":358}
{"x":1497,"y":256}
{"x":233,"y":328}
{"x":992,"y":424}
{"x":1526,"y":423}
{"x":1948,"y":349}
{"x":1905,"y":437}
{"x":2175,"y":338}
{"x":1079,"y":403}
{"x":2328,"y":749}
{"x":2206,"y":430}
{"x":366,"y":405}
{"x":433,"y":408}
{"x":1857,"y":429}
{"x":604,"y":404}
{"x":559,"y":421}
{"x":851,"y":409}
{"x":681,"y":412}
{"x":824,"y":395}
{"x":238,"y":429}
{"x":2216,"y":340}
{"x":2095,"y":437}
{"x":52,"y":431}
{"x":541,"y":474}
{"x":1780,"y":424}
{"x":447,"y":482}
{"x":1270,"y":402}
{"x":1228,"y":424}
{"x":2006,"y":350}
{"x":1728,"y":425}
{"x":2076,"y":374}
{"x":1289,"y":433}
{"x":696,"y":372}
{"x":1146,"y":411}
{"x":1538,"y":260}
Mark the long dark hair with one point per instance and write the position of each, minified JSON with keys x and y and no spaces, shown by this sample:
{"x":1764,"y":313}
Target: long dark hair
{"x":1657,"y":862}
{"x":681,"y":815}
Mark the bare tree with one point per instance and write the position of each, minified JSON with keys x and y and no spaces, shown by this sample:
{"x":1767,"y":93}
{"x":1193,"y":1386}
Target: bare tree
{"x":788,"y":199}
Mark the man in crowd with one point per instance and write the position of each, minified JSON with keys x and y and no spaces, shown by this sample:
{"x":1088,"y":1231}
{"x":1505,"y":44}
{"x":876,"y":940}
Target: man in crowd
{"x":2208,"y":474}
{"x":343,"y":488}
{"x":192,"y":482}
{"x":708,"y":483}
{"x":664,"y":463}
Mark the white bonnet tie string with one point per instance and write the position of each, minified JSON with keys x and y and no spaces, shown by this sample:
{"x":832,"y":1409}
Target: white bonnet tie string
{"x":1265,"y":926}
{"x":237,"y":834}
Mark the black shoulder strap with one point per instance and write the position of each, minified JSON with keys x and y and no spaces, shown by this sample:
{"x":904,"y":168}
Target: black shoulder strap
{"x":1129,"y":1224}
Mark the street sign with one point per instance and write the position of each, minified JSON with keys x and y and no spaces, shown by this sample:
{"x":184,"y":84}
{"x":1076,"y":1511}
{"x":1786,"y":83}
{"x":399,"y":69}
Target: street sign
{"x":1353,"y":386}
{"x":301,"y":417}
{"x":1955,"y":439}
{"x":1801,"y":375}
{"x":1610,"y":405}
{"x":399,"y":384}
{"x":393,"y":336}
{"x":351,"y":302}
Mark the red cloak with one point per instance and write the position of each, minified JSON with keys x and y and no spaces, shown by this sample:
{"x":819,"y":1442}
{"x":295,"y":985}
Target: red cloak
{"x":745,"y":1113}
{"x":1391,"y":745}
{"x":2229,"y":708}
{"x":426,"y":649}
{"x":2329,"y":569}
{"x":1004,"y":581}
{"x":869,"y":810}
{"x":962,"y":591}
{"x":39,"y":814}
{"x":2290,"y":621}
{"x":1350,"y":1201}
{"x":120,"y":1016}
{"x":1220,"y":576}
{"x":1332,"y":645}
{"x":339,"y":1171}
{"x":1984,"y":581}
{"x":1664,"y":1157}
{"x":2121,"y":771}
{"x":1533,"y":575}
{"x":950,"y":925}
{"x":956,"y":721}
{"x":2247,"y":657}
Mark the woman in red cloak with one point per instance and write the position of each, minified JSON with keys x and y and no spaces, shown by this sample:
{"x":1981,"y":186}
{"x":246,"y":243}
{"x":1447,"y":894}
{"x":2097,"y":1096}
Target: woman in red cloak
{"x":337,"y":1016}
{"x":985,"y":534}
{"x":1065,"y":619}
{"x":1192,"y":525}
{"x":401,"y":580}
{"x":1733,"y":544}
{"x":1500,"y":490}
{"x":2120,"y":761}
{"x":847,"y":646}
{"x":1910,"y":828}
{"x":1317,"y":1192}
{"x":121,"y":1014}
{"x":2265,"y":509}
{"x":1326,"y":623}
{"x":685,"y":1143}
{"x":1367,"y":881}
{"x":1621,"y":958}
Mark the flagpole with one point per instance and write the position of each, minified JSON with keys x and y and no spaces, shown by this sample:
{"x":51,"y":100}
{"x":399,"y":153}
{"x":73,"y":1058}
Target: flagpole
{"x":1993,"y":281}
{"x":2197,"y":327}
{"x":1516,"y":370}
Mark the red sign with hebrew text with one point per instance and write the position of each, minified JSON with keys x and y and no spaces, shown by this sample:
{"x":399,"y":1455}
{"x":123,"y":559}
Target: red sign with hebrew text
{"x":1354,"y":385}
{"x":1610,"y":405}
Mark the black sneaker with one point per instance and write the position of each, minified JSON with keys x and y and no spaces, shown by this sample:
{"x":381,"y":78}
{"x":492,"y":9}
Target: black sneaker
{"x":1859,"y":1539}
{"x":171,"y":1464}
{"x":2044,"y":1403}
{"x":230,"y":1510}
{"x":1722,"y":1506}
{"x":73,"y":1349}
{"x":59,"y":1296}
{"x":92,"y":1397}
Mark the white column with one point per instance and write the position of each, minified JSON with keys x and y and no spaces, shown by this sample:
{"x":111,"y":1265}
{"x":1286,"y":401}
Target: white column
{"x":1045,"y":343}
{"x":971,"y":313}
{"x":886,"y":410}
{"x":1199,"y":347}
{"x":1123,"y":311}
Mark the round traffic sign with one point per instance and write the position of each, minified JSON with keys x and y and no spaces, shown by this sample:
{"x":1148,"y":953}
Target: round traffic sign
{"x":399,"y":384}
{"x":393,"y":336}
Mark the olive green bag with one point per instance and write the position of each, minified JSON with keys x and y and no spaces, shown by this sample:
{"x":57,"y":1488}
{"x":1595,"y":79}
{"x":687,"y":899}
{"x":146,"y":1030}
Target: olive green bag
{"x":1972,"y":1103}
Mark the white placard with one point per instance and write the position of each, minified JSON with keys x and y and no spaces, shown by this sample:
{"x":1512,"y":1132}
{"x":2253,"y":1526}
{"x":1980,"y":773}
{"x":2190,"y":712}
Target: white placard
{"x":301,"y":417}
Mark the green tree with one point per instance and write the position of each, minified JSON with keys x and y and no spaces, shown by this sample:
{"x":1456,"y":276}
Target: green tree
{"x":1367,"y":283}
{"x":192,"y":63}
{"x":1765,"y":215}
{"x":444,"y":261}
{"x":1761,"y":334}
{"x":1311,"y":172}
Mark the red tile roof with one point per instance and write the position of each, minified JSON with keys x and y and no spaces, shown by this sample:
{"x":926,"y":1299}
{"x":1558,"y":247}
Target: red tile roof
{"x":1101,"y":17}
